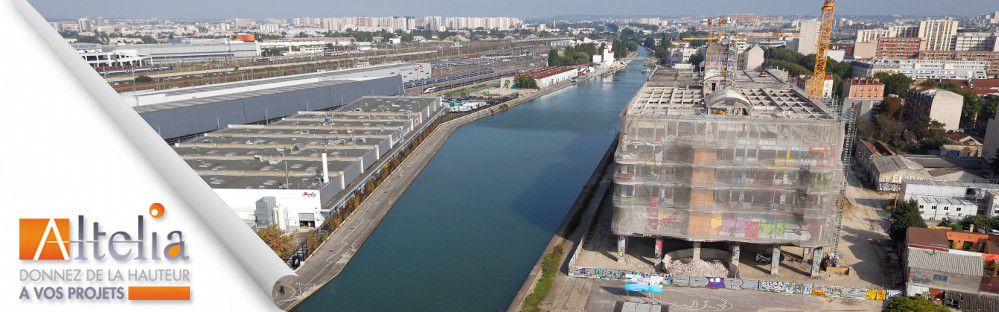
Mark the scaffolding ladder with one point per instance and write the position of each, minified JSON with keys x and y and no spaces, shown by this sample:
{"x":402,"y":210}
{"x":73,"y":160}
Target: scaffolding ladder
{"x":849,"y":118}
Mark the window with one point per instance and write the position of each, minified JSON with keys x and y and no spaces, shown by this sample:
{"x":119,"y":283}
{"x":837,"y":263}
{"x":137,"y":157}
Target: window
{"x":940,"y":277}
{"x":946,"y":208}
{"x":934,"y":207}
{"x":958,"y":208}
{"x":920,"y":206}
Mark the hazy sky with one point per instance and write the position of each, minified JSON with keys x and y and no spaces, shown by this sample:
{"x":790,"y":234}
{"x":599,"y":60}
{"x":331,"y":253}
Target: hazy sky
{"x":211,"y":9}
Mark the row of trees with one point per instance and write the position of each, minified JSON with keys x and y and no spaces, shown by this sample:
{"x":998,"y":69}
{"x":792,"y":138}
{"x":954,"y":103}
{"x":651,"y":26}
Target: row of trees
{"x":917,"y":136}
{"x":799,"y":64}
{"x":580,"y":54}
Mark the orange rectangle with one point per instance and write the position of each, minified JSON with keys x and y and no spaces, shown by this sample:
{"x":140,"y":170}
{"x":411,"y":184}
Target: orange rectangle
{"x":159,"y":292}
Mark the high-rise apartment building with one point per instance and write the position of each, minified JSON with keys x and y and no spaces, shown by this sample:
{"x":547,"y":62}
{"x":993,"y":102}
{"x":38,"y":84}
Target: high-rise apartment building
{"x":939,"y":33}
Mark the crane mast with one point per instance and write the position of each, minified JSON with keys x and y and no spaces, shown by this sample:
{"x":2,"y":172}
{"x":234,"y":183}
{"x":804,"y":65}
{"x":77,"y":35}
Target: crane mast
{"x":825,"y":30}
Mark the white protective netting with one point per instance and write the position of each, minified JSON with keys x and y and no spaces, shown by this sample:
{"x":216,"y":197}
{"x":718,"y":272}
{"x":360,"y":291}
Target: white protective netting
{"x":728,"y":178}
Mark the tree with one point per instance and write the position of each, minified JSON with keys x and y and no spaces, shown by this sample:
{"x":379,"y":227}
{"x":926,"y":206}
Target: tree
{"x":277,"y":239}
{"x":696,"y":60}
{"x":896,"y":84}
{"x":980,"y":222}
{"x":553,"y":58}
{"x":143,"y":79}
{"x":903,"y":216}
{"x":632,"y":46}
{"x":525,"y":82}
{"x":913,"y":304}
{"x":650,"y":43}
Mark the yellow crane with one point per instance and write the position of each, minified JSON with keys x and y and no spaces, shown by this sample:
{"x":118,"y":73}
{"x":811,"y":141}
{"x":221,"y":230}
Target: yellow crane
{"x":825,"y":30}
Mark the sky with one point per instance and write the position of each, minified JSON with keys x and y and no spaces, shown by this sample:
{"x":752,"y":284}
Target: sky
{"x":216,"y":9}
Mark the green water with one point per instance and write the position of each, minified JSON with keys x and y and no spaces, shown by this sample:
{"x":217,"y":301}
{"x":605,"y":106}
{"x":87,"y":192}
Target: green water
{"x":469,"y":229}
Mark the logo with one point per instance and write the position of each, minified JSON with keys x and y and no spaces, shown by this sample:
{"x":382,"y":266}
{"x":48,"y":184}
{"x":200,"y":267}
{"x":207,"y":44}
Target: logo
{"x":48,"y":239}
{"x":44,"y":239}
{"x":308,"y":194}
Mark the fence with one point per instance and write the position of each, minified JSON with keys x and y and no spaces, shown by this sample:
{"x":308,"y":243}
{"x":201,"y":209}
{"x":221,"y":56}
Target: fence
{"x":736,"y":284}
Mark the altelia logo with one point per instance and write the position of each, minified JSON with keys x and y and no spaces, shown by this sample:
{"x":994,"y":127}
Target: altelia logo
{"x":48,"y":239}
{"x":44,"y":239}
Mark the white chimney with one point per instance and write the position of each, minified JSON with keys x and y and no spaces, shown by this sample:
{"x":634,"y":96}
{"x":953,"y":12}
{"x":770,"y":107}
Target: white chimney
{"x":326,"y":170}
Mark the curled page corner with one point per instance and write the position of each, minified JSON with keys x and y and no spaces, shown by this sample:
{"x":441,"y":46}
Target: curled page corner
{"x":257,"y":260}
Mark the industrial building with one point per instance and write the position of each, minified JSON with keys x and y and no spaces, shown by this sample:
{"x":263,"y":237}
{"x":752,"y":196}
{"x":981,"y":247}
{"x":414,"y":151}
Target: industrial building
{"x":291,"y":171}
{"x":734,"y":157}
{"x":188,"y":50}
{"x":176,"y":113}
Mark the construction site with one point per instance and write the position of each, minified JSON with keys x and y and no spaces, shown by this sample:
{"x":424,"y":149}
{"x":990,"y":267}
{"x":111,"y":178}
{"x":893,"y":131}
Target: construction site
{"x":729,"y":158}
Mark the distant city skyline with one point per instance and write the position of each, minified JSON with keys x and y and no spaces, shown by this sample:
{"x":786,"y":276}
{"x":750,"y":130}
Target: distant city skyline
{"x":256,"y":9}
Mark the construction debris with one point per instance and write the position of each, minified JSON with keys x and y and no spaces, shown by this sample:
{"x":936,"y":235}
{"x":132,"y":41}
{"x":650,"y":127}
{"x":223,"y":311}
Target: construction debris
{"x":690,"y":267}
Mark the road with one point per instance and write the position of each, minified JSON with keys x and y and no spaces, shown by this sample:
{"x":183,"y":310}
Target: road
{"x":605,"y":294}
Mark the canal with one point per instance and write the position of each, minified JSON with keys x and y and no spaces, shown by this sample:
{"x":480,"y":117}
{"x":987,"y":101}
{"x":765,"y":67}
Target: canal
{"x":469,"y":229}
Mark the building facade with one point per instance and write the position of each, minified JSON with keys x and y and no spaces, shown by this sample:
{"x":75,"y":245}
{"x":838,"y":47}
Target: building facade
{"x":900,"y":47}
{"x":937,"y":104}
{"x":938,"y":33}
{"x":990,"y":57}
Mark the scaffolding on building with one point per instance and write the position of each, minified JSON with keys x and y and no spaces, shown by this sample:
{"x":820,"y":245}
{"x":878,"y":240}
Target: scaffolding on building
{"x":754,"y":165}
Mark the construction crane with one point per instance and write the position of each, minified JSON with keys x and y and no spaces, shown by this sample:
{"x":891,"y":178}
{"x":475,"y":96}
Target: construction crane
{"x":825,"y":30}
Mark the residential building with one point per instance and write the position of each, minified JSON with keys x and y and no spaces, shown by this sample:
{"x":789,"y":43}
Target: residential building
{"x":805,"y":81}
{"x":900,"y":47}
{"x":870,"y":68}
{"x":809,"y":37}
{"x":975,"y":41}
{"x":752,"y":58}
{"x":937,"y":104}
{"x":938,"y":33}
{"x":863,"y":88}
{"x":990,"y":57}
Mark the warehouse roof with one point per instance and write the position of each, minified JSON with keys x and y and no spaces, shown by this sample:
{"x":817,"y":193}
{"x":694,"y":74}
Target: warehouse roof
{"x":940,"y":261}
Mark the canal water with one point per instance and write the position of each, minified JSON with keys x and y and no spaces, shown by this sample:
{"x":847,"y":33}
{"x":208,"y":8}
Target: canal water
{"x":467,"y":232}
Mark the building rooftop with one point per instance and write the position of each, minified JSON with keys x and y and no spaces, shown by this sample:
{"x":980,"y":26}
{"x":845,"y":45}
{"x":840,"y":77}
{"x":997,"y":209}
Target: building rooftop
{"x":290,"y":150}
{"x":927,"y":237}
{"x":387,"y":105}
{"x":266,"y":174}
{"x":946,"y":201}
{"x":985,"y":186}
{"x":546,"y":72}
{"x":894,"y":163}
{"x":941,"y":261}
{"x":194,"y":100}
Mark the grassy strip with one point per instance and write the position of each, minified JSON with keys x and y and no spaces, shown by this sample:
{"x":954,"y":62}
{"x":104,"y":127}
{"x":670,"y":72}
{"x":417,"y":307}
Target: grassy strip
{"x":549,"y":266}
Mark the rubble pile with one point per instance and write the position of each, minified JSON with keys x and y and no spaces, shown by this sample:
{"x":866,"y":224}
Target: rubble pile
{"x":698,"y":268}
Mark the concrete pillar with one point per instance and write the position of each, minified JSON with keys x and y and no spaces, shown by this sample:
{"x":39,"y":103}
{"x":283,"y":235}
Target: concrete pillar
{"x":621,"y":241}
{"x":659,"y":247}
{"x":816,"y":261}
{"x":735,"y":254}
{"x":697,"y":251}
{"x":775,"y":260}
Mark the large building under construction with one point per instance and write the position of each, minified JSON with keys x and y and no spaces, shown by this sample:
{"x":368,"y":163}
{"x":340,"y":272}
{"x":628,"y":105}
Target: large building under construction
{"x":727,"y":156}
